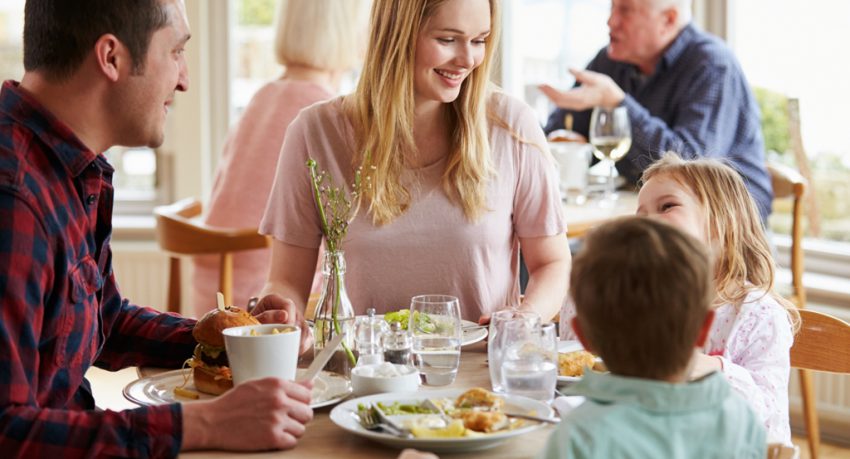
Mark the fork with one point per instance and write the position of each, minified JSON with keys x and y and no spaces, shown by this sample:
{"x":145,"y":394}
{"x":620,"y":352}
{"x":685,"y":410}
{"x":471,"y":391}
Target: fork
{"x":370,"y":420}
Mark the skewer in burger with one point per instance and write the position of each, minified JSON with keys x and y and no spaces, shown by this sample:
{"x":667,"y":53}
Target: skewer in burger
{"x":210,"y":368}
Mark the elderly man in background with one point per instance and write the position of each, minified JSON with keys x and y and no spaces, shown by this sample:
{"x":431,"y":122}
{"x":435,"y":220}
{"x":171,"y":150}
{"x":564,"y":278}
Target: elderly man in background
{"x":683,"y":88}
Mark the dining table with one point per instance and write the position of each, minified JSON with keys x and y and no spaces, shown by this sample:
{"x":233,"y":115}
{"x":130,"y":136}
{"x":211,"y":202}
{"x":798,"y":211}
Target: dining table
{"x":324,"y":439}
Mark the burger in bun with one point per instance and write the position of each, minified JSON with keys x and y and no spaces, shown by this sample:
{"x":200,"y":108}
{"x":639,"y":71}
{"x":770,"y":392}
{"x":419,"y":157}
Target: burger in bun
{"x":210,"y":368}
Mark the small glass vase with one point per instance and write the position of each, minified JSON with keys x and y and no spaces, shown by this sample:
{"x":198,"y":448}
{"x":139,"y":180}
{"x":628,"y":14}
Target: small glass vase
{"x":335,"y":315}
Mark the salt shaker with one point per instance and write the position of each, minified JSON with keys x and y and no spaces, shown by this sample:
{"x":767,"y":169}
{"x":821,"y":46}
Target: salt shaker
{"x":397,"y":345}
{"x":367,"y":338}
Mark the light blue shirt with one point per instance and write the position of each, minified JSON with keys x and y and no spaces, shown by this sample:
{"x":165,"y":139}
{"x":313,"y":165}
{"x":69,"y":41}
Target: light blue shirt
{"x":640,"y":418}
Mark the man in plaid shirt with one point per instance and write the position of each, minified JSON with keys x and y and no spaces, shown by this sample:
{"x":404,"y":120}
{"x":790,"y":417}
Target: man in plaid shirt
{"x":98,"y":73}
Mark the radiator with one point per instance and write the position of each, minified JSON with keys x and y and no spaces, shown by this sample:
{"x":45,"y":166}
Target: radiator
{"x":142,"y":273}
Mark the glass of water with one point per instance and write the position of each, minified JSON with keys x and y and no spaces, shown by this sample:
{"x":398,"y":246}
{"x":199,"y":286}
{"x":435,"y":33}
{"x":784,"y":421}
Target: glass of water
{"x":495,"y":345}
{"x":530,"y":360}
{"x":435,"y":329}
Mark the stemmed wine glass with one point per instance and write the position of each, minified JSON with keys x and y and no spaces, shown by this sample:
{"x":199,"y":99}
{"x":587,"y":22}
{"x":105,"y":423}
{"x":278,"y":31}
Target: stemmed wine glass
{"x":611,"y":136}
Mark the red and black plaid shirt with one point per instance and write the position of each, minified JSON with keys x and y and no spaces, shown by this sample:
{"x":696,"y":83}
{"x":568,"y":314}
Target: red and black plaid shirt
{"x":60,"y":309}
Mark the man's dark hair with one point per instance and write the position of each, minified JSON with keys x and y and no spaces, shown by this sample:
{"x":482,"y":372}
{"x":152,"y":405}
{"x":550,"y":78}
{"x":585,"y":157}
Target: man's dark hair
{"x":59,"y":34}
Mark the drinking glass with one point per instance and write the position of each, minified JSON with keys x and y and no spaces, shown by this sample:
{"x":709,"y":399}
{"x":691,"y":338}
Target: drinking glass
{"x":611,"y":136}
{"x":495,"y":345}
{"x":435,"y":329}
{"x":530,"y":360}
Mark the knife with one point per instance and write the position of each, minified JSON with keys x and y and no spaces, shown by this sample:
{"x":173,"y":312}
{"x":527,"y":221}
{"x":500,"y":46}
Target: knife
{"x":320,"y":360}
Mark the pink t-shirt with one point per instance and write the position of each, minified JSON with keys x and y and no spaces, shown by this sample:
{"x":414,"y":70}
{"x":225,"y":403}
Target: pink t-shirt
{"x":432,"y":248}
{"x":243,"y":182}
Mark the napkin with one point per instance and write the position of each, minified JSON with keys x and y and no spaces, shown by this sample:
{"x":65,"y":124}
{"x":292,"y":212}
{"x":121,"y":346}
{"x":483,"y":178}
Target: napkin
{"x":565,"y":404}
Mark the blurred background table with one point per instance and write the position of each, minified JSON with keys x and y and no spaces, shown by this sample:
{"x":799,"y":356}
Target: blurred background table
{"x":581,"y":218}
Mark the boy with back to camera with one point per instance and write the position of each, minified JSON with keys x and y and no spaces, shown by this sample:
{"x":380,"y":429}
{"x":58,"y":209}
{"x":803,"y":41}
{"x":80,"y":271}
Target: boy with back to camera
{"x":642,"y":291}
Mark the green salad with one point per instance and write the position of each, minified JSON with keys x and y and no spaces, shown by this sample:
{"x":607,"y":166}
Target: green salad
{"x":423,"y":321}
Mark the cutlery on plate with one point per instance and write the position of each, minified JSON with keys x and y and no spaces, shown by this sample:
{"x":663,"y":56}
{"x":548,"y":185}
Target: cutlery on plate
{"x":533,"y":418}
{"x":369,"y":420}
{"x":388,"y":421}
{"x":467,"y":328}
{"x":321,"y":359}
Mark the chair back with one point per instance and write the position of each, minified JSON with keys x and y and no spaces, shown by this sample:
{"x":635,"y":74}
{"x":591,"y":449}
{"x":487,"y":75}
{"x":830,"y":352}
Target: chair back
{"x":822,"y":344}
{"x":789,"y":184}
{"x":178,"y":234}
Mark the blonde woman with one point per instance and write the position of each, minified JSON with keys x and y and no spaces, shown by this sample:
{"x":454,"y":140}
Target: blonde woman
{"x":317,"y":42}
{"x":459,"y":177}
{"x":753,"y":329}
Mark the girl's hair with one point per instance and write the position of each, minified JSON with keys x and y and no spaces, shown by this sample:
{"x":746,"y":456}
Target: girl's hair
{"x":743,"y":259}
{"x":381,"y":111}
{"x":322,"y":34}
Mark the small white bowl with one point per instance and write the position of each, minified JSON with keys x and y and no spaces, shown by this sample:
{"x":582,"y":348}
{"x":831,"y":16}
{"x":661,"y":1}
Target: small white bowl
{"x":384,"y":377}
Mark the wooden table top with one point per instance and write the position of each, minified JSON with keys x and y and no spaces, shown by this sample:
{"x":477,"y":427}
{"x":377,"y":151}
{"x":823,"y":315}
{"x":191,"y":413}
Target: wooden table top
{"x":325,"y":439}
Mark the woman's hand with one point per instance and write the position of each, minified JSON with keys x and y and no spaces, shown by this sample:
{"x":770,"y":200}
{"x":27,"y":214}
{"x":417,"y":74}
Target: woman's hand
{"x":274,"y":309}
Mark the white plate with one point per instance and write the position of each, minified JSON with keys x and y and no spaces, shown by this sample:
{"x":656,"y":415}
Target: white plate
{"x":565,"y":347}
{"x":472,"y":336}
{"x":342,"y":416}
{"x":328,"y":388}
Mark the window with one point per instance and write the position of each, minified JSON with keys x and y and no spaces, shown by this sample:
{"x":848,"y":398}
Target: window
{"x":137,"y":185}
{"x":543,"y":39}
{"x":253,"y":63}
{"x":797,"y":54}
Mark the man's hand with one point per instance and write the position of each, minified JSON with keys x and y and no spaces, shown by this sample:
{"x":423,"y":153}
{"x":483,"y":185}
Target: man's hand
{"x":257,"y":415}
{"x":273,"y":309}
{"x":596,"y":90}
{"x":704,"y":364}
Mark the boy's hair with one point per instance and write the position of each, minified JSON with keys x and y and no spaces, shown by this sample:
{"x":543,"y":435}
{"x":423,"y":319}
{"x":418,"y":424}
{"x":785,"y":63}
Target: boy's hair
{"x":642,"y":289}
{"x":322,"y":34}
{"x":59,"y":34}
{"x":743,"y":260}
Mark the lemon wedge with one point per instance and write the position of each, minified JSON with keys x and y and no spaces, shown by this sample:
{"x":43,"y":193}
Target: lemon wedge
{"x":455,"y":429}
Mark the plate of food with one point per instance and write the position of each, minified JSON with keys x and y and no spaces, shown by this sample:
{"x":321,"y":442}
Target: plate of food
{"x":472,"y":332}
{"x":573,"y":359}
{"x":451,"y":420}
{"x":208,"y":373}
{"x":179,"y":386}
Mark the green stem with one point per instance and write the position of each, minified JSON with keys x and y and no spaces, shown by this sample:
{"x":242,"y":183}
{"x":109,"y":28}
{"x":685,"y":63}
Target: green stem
{"x":337,"y":301}
{"x":314,"y":179}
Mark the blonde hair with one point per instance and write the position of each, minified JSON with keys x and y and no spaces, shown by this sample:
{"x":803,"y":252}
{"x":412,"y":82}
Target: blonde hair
{"x":743,"y":259}
{"x":381,"y":111}
{"x":321,"y":34}
{"x":640,"y":285}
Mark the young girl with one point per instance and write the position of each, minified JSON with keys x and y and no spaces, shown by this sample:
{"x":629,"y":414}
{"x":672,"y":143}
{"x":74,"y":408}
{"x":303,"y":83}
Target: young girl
{"x":458,"y":172}
{"x":754,"y":327}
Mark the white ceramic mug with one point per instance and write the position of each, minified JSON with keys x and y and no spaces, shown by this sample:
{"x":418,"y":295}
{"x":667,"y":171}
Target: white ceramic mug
{"x":573,"y":162}
{"x":255,"y":351}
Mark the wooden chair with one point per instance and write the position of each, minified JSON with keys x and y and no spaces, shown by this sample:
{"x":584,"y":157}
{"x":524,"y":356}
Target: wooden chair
{"x":822,"y":344}
{"x":179,"y":235}
{"x":789,"y":184}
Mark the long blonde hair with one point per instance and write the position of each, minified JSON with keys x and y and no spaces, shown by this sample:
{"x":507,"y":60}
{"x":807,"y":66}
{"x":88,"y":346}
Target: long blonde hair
{"x":743,"y":259}
{"x":382,"y":111}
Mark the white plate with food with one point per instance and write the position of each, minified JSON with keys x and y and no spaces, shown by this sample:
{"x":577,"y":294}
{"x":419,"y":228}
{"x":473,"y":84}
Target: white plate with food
{"x":328,"y":389}
{"x":451,"y":431}
{"x":572,"y":361}
{"x":472,"y":332}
